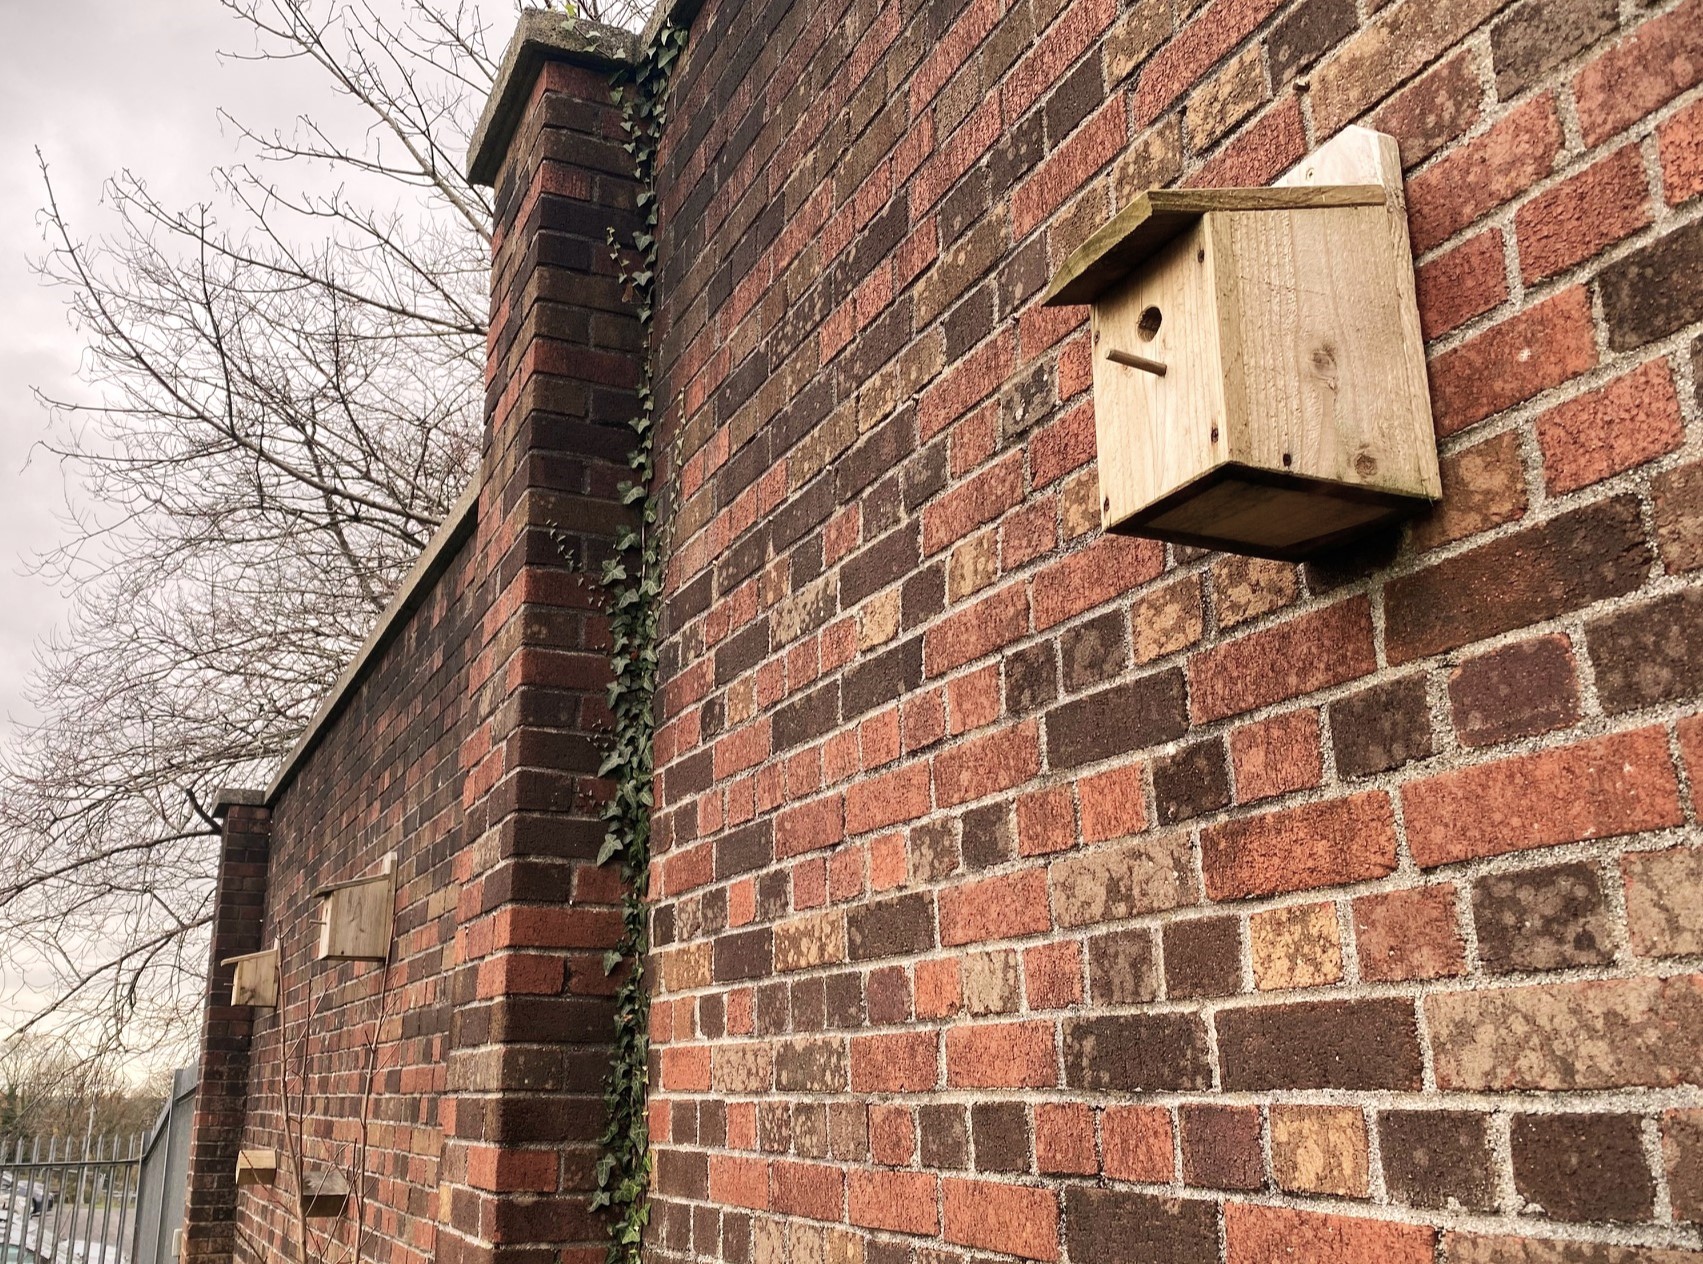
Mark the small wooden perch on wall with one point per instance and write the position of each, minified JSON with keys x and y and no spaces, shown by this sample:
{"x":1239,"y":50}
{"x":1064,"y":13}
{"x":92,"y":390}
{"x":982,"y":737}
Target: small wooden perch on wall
{"x":355,"y":917}
{"x":1259,"y":373}
{"x":256,"y":978}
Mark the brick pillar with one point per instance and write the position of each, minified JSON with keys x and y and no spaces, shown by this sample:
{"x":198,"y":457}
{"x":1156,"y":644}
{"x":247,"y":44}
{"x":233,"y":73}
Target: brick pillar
{"x":532,"y":1017}
{"x":221,"y":1101}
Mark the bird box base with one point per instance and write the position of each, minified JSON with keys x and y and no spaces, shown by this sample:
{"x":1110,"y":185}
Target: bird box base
{"x":1261,"y":513}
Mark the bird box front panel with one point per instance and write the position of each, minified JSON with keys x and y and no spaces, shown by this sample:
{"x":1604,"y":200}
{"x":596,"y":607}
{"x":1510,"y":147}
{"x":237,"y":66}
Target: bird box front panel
{"x":1324,"y":365}
{"x":254,"y":980}
{"x":355,"y":919}
{"x":1158,"y":382}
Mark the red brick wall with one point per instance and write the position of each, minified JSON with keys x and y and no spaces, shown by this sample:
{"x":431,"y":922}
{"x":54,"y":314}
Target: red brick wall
{"x":227,"y":1032}
{"x":1025,"y":892}
{"x":467,"y":748}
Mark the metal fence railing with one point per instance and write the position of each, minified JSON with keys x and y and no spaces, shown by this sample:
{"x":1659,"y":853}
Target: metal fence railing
{"x":68,"y":1201}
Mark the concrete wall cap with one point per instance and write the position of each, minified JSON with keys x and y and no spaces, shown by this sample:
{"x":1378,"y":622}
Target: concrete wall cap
{"x":541,"y":36}
{"x":228,"y":797}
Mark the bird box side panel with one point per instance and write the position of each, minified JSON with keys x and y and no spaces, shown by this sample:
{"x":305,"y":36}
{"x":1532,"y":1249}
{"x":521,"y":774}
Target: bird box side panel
{"x":1326,"y":373}
{"x":1157,"y":432}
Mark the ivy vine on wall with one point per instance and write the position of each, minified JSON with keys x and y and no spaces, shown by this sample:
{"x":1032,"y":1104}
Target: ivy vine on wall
{"x":633,"y":578}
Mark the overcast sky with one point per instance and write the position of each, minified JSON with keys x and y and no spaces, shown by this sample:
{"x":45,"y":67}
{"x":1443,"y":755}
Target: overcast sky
{"x":135,"y":84}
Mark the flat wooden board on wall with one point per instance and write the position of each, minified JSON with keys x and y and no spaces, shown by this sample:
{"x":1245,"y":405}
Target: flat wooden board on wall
{"x":325,"y":1192}
{"x":256,"y":979}
{"x":355,"y":918}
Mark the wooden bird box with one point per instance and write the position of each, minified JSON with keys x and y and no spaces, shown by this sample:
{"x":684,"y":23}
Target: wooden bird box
{"x":1259,"y":374}
{"x":325,"y":1192}
{"x":256,"y":979}
{"x":257,"y":1167}
{"x":355,"y":918}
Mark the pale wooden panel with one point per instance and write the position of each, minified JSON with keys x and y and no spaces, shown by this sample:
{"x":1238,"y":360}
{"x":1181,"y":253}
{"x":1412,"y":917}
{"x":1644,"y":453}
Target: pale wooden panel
{"x":325,"y":1192}
{"x":1154,"y":433}
{"x":1360,"y":155}
{"x":1321,"y":380}
{"x":257,"y":1167}
{"x":256,"y":978}
{"x":355,"y":920}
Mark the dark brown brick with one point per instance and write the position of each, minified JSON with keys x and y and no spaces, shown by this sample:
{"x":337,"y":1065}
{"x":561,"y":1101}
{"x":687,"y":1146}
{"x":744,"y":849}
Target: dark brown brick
{"x":1682,"y":1155}
{"x":890,"y":928}
{"x":1320,"y":1044}
{"x":1649,"y":654}
{"x":1536,"y":36}
{"x":1677,"y":496}
{"x":1119,"y":1226}
{"x":1031,"y":678}
{"x":1221,"y":1146}
{"x":1000,"y":1131}
{"x":1306,"y":33}
{"x":1570,"y":561}
{"x":1583,"y":1167}
{"x":1436,"y":1158}
{"x":889,"y":559}
{"x":1203,"y":957}
{"x":1114,"y":721}
{"x":1542,"y":919}
{"x":743,"y":955}
{"x":1655,"y":290}
{"x":1381,"y":728}
{"x":989,"y":836}
{"x":1137,"y":1053}
{"x":808,"y":717}
{"x":1192,"y":782}
{"x":885,"y":677}
{"x":1122,"y":968}
{"x":1517,"y":691}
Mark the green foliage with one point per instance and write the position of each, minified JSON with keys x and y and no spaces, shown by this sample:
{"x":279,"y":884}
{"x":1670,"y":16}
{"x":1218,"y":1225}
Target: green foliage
{"x":634,"y":580}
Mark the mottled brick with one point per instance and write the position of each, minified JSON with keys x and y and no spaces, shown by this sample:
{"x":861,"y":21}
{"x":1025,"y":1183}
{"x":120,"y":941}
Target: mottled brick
{"x":1319,"y":1150}
{"x":1664,"y":901}
{"x":1298,"y":946}
{"x":1536,"y":36}
{"x":1565,"y":1036}
{"x":1649,"y":654}
{"x":1542,"y":919}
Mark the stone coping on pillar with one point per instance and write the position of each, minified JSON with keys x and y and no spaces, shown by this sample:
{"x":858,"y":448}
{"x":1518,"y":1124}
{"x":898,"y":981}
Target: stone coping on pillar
{"x":228,"y":797}
{"x":541,"y":36}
